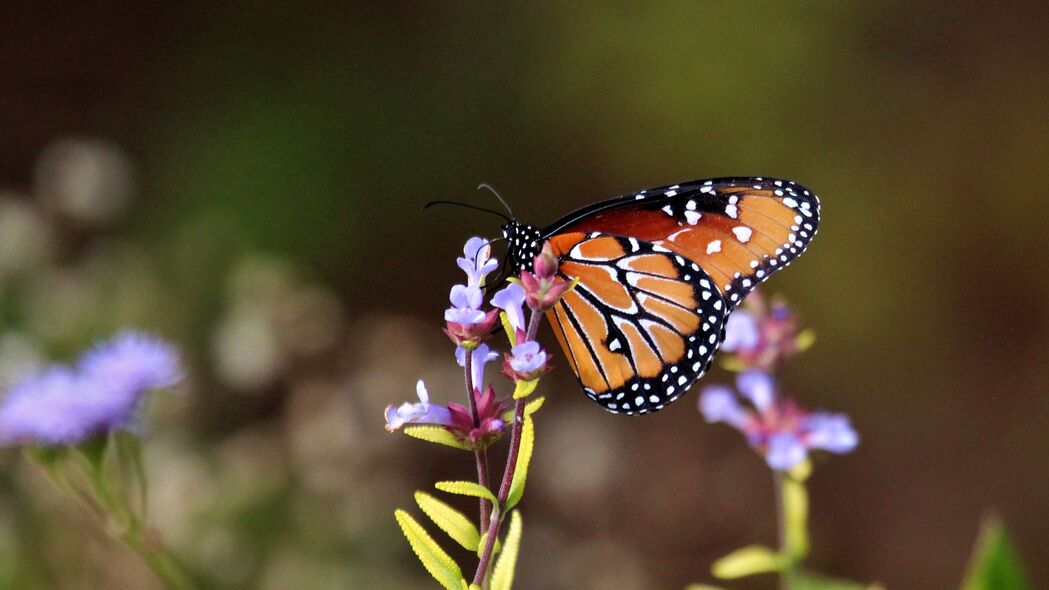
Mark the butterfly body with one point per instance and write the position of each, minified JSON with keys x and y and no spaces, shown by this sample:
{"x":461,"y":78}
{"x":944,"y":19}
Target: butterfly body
{"x":658,"y":273}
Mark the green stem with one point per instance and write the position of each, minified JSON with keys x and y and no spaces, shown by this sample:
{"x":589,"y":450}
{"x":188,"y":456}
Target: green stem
{"x":786,"y":544}
{"x":157,"y":559}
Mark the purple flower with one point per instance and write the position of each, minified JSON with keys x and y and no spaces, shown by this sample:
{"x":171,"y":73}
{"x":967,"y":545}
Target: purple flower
{"x":741,"y":332}
{"x":776,"y":427}
{"x":63,"y":406}
{"x":465,"y":323}
{"x":133,"y":363}
{"x":466,"y":303}
{"x":511,"y":300}
{"x":479,"y":357}
{"x":422,"y":412}
{"x":477,"y":262}
{"x":764,"y":335}
{"x":526,"y":361}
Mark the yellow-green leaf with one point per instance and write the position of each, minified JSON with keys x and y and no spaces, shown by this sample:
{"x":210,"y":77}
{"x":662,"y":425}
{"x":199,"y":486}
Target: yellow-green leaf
{"x":805,"y":339}
{"x":503,"y":574}
{"x":750,"y":560}
{"x":525,"y":388}
{"x":524,"y":457}
{"x":531,"y":407}
{"x":508,"y":328}
{"x":440,"y":565}
{"x":480,"y":545}
{"x":435,"y":434}
{"x":466,"y":488}
{"x":994,"y":563}
{"x":796,"y":510}
{"x":450,"y":520}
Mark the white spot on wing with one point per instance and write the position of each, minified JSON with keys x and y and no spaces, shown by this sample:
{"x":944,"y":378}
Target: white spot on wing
{"x":714,"y":246}
{"x":742,"y":233}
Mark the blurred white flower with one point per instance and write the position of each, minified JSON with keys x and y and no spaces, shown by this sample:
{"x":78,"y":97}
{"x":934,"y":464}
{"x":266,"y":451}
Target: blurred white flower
{"x":88,"y":180}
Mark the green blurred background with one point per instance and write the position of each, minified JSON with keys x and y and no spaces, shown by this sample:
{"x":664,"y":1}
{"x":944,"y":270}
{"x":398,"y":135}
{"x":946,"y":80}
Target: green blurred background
{"x":246,"y":179}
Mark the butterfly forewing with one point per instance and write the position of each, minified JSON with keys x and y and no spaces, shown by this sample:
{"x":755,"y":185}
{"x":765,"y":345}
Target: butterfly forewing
{"x":641,"y":325}
{"x":739,"y":230}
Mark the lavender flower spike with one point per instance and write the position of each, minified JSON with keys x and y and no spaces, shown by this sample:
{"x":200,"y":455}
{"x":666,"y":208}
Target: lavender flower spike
{"x":476,"y":261}
{"x":420,"y":413}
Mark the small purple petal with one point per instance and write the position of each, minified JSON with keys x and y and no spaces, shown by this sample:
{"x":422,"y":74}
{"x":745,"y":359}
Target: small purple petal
{"x":477,"y":262}
{"x":718,"y":403}
{"x":421,"y":413}
{"x":466,"y":297}
{"x":527,"y":357}
{"x":758,"y":387}
{"x":830,"y":432}
{"x":480,"y":356}
{"x":511,"y":299}
{"x":466,"y":317}
{"x":785,"y":451}
{"x":741,"y":332}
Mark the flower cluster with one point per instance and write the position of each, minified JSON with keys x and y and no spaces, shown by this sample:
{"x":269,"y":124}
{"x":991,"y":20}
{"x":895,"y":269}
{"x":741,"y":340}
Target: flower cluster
{"x":762,"y":337}
{"x":776,"y":426}
{"x":469,"y":325}
{"x":102,"y":393}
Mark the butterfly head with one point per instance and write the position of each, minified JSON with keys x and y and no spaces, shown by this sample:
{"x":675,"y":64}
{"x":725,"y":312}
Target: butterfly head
{"x":523,"y":244}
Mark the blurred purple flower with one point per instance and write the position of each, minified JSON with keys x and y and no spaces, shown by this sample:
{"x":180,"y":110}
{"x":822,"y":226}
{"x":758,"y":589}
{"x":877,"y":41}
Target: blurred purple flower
{"x":422,"y":412}
{"x":63,"y":406}
{"x":741,"y":332}
{"x":132,"y":363}
{"x":511,"y":300}
{"x":476,"y":261}
{"x":479,"y":357}
{"x":763,"y":335}
{"x":776,"y":427}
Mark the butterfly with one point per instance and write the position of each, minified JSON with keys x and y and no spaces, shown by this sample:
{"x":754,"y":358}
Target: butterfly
{"x":658,"y":272}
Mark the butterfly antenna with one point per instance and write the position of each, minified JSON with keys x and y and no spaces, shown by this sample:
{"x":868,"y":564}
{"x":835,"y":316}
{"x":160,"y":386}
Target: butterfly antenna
{"x":485,"y":185}
{"x":474,"y":207}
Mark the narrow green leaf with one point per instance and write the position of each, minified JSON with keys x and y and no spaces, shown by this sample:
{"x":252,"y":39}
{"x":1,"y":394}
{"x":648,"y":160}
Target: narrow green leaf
{"x":435,"y":434}
{"x":508,"y":328}
{"x":811,"y":581}
{"x":503,"y":574}
{"x":994,"y":564}
{"x":525,"y":388}
{"x":450,"y":520}
{"x":440,"y":565}
{"x":466,"y":488}
{"x":750,"y":560}
{"x":524,"y":457}
{"x":796,"y":508}
{"x":530,"y":408}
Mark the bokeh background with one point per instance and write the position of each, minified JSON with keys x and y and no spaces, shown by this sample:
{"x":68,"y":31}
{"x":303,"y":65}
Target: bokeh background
{"x":246,"y":179}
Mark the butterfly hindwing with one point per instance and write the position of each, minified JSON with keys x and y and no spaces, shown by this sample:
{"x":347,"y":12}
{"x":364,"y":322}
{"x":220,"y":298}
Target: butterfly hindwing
{"x":641,"y":325}
{"x":739,"y":230}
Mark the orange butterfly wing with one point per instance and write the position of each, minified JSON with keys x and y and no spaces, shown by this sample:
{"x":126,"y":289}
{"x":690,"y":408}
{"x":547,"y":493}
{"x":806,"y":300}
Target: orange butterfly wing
{"x":641,"y":325}
{"x":739,"y":230}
